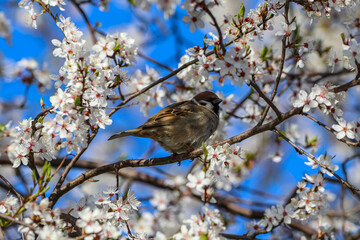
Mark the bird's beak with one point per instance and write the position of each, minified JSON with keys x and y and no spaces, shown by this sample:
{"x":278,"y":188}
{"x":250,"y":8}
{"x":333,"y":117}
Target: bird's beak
{"x":217,"y":101}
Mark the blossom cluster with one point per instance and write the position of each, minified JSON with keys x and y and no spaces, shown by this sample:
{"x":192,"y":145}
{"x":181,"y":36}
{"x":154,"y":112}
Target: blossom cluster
{"x":9,"y":205}
{"x":233,"y":65}
{"x":196,"y":11}
{"x":347,"y":129}
{"x":152,"y":98}
{"x":317,"y":9}
{"x":310,"y":202}
{"x":46,"y":222}
{"x":324,"y":163}
{"x":80,"y":107}
{"x":105,"y":216}
{"x":254,"y":24}
{"x":165,"y":219}
{"x":100,"y":217}
{"x":32,"y":15}
{"x":208,"y":225}
{"x":82,"y":104}
{"x":30,"y":138}
{"x":350,"y":50}
{"x":223,"y":167}
{"x":29,"y":71}
{"x":322,"y":96}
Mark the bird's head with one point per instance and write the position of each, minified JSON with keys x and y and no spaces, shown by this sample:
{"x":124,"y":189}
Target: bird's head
{"x":209,"y":100}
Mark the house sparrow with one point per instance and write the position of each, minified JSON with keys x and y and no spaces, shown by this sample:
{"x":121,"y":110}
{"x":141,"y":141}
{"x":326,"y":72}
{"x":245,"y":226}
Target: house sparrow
{"x":183,"y":126}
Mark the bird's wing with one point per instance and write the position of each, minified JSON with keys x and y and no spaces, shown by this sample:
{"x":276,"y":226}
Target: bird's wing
{"x":170,"y":114}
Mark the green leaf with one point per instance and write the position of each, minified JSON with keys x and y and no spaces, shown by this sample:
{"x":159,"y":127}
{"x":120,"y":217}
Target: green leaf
{"x":132,"y":2}
{"x":45,"y":167}
{"x":126,"y":194}
{"x":2,"y":222}
{"x":116,"y":47}
{"x":47,"y":170}
{"x":123,"y":156}
{"x":264,"y":52}
{"x":33,"y":176}
{"x":313,"y":140}
{"x":203,"y":236}
{"x":98,"y":24}
{"x":233,"y":20}
{"x":117,"y":79}
{"x":42,"y":104}
{"x":2,"y":128}
{"x":93,"y":180}
{"x":242,"y":11}
{"x":283,"y":133}
{"x":249,"y":156}
{"x":86,"y":70}
{"x":342,"y":36}
{"x":216,"y":48}
{"x":206,"y":152}
{"x":77,"y":101}
{"x":40,"y":181}
{"x":264,"y":8}
{"x":41,"y":119}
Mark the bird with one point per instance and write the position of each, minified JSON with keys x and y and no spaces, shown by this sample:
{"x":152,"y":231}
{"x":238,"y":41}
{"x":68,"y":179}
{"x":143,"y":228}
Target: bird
{"x":181,"y":127}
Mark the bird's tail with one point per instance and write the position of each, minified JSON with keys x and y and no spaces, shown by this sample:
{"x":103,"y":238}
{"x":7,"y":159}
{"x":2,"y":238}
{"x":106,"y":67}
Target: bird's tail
{"x":132,"y":132}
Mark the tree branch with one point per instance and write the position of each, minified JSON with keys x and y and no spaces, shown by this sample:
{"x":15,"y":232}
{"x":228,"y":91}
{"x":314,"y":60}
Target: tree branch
{"x":58,"y":192}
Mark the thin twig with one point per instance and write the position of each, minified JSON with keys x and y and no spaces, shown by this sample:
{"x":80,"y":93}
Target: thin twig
{"x":58,"y":168}
{"x":129,"y":230}
{"x":281,"y":68}
{"x":87,"y":21}
{"x":352,"y":188}
{"x":239,"y":105}
{"x":21,"y":198}
{"x":140,"y":54}
{"x":218,"y":29}
{"x":267,"y":100}
{"x":14,"y":220}
{"x":346,"y":86}
{"x":350,"y":143}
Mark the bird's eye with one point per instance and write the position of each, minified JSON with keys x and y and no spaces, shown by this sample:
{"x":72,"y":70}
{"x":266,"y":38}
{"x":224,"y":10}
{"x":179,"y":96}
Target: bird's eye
{"x":202,"y":102}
